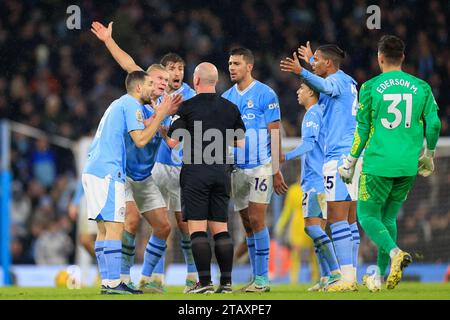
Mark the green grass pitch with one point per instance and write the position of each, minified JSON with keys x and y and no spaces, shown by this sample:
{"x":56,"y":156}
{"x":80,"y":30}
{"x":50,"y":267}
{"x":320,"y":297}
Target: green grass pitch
{"x":404,"y":291}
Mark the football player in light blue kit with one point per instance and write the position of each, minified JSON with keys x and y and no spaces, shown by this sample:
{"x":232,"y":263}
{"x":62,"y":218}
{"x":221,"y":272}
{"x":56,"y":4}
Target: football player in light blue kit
{"x":168,"y":167}
{"x":257,"y":167}
{"x":311,"y":151}
{"x":339,"y":96}
{"x":105,"y":172}
{"x":165,"y":175}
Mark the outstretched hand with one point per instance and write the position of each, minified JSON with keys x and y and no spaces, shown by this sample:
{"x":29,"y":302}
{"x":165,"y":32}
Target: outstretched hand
{"x":305,"y":53}
{"x":291,"y":65}
{"x":176,"y":101}
{"x":101,"y":31}
{"x":165,"y":105}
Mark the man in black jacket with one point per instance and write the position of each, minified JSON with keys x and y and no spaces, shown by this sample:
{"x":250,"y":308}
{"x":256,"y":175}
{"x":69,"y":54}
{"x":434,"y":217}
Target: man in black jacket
{"x":209,"y":125}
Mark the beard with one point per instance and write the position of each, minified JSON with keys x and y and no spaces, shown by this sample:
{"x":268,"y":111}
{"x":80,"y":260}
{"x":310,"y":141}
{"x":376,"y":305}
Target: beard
{"x":147,"y":99}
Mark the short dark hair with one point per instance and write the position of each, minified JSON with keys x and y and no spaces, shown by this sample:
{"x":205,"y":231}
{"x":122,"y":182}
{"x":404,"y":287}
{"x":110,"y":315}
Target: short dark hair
{"x":133,"y":78}
{"x":316,"y":93}
{"x":171,"y":57}
{"x":333,"y":52}
{"x":393,"y":49}
{"x":246,"y":53}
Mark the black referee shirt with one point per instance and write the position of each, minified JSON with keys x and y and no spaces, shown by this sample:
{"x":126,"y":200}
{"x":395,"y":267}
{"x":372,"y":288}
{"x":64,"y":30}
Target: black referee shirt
{"x":206,"y":118}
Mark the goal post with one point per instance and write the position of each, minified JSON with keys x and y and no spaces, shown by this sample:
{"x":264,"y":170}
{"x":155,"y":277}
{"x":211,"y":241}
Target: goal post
{"x":5,"y":197}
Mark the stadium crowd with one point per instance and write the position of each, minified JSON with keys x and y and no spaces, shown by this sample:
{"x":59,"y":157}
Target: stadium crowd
{"x":61,"y":81}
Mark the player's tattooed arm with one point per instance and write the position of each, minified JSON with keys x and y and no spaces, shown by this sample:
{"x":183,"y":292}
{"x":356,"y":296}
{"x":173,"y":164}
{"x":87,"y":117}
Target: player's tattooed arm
{"x":125,"y":61}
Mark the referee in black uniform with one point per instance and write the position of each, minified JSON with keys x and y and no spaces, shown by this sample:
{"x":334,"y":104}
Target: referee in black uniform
{"x":205,"y":177}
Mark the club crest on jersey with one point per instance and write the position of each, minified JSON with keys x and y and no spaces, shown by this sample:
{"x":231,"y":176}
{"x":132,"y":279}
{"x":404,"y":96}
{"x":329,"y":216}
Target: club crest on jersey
{"x":250,"y":104}
{"x":139,"y":116}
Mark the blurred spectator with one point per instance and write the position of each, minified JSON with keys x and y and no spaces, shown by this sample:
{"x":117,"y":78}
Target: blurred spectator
{"x":53,"y":246}
{"x":43,"y":163}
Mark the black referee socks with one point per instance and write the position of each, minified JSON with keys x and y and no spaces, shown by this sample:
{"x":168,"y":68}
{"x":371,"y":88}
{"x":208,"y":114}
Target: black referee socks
{"x":223,"y":250}
{"x":201,"y":251}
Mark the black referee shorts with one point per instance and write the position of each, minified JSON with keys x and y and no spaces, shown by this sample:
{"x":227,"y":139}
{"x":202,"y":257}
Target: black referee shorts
{"x":205,"y":191}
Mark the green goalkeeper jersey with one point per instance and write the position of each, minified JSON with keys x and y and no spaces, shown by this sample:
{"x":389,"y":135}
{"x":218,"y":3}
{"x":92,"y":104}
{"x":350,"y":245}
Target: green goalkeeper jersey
{"x":392,"y":110}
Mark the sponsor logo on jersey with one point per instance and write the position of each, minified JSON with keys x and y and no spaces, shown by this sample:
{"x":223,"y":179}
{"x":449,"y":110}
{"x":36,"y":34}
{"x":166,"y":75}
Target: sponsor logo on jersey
{"x":273,"y":106}
{"x":248,"y":116}
{"x":312,"y":124}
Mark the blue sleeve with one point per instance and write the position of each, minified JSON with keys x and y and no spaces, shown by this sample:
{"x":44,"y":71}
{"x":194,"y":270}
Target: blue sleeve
{"x":271,"y":106}
{"x":191,"y":93}
{"x":134,"y":117}
{"x":304,"y":147}
{"x":79,"y":192}
{"x":310,"y":134}
{"x":327,"y":86}
{"x":311,"y":125}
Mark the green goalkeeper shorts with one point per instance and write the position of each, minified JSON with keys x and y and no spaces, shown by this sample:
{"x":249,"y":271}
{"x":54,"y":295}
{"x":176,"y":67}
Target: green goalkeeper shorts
{"x":380,"y":189}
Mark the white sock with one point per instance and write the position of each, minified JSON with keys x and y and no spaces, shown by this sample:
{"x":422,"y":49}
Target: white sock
{"x":394,"y":252}
{"x":347,"y":273}
{"x":113,"y":283}
{"x":355,"y":275}
{"x":105,"y":282}
{"x":125,"y":278}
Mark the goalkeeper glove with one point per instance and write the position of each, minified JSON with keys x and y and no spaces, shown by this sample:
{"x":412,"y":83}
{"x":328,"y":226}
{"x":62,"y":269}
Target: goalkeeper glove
{"x":426,"y":164}
{"x":347,"y":169}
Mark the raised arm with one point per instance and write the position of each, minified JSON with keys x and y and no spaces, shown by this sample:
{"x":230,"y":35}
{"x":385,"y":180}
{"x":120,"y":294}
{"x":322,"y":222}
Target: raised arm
{"x":326,"y":86}
{"x":125,"y":61}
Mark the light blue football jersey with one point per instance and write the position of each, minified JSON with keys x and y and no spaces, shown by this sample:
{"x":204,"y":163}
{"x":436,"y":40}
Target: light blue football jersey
{"x":312,"y":161}
{"x":140,"y":161}
{"x":259,"y":106}
{"x":166,"y":155}
{"x":107,"y":153}
{"x":340,"y":98}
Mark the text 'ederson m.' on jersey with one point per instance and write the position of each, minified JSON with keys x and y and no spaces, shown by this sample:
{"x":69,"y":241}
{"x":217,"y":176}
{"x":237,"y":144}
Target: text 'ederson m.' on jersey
{"x":339,"y":95}
{"x":107,"y":154}
{"x":140,"y":161}
{"x":391,"y":111}
{"x":166,"y":155}
{"x":311,"y":150}
{"x":259,"y":106}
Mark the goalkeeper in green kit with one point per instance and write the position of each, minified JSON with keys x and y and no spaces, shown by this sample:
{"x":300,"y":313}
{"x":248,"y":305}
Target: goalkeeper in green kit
{"x":395,"y":111}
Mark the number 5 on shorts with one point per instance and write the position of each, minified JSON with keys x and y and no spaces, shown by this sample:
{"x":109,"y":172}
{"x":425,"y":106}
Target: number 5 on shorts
{"x":329,"y":182}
